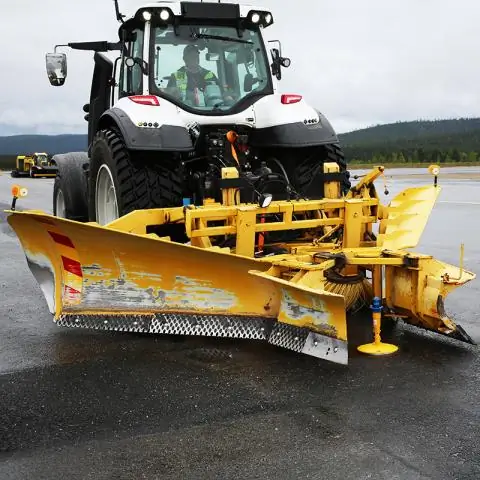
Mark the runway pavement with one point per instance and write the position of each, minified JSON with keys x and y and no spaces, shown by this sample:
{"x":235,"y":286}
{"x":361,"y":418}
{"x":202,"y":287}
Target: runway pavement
{"x":93,"y":405}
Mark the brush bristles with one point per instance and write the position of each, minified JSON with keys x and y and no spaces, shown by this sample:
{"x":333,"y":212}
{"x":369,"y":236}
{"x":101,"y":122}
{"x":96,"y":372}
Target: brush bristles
{"x":354,"y":293}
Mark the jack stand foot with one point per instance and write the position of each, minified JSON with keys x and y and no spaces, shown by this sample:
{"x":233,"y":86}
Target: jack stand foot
{"x":377,"y":347}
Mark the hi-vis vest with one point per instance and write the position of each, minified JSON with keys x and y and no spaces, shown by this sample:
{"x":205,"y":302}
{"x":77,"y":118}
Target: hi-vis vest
{"x":182,"y":80}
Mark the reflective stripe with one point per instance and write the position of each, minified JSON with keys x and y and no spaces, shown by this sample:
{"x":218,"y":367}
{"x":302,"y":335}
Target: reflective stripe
{"x":182,"y":80}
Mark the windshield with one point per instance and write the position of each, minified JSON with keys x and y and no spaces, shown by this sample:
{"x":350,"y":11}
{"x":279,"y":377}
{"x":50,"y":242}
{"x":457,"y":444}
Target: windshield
{"x":208,"y":69}
{"x":41,"y":158}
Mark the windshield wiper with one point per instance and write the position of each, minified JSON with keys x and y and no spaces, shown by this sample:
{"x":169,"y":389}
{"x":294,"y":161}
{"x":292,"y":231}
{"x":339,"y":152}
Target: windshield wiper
{"x":219,"y":37}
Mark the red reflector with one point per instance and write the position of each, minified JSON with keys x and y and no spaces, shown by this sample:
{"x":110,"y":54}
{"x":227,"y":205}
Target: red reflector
{"x":287,"y":99}
{"x":145,"y":100}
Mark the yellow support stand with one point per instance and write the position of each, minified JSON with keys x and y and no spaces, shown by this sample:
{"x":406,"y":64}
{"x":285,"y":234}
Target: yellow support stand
{"x":377,"y":347}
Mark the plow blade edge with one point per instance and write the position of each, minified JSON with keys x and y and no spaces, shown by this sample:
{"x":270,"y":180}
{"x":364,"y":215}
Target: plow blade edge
{"x":100,"y":278}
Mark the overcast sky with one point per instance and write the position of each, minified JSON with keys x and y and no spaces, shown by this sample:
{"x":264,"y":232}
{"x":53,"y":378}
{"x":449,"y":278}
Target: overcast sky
{"x":361,"y":62}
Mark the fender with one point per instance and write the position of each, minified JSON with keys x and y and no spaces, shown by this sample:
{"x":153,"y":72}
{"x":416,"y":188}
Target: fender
{"x":308,"y":133}
{"x":161,"y":138}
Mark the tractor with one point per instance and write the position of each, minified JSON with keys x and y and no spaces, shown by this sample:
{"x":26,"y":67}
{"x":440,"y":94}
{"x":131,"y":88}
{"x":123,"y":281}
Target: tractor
{"x":187,"y":74}
{"x":209,"y":203}
{"x":38,"y":164}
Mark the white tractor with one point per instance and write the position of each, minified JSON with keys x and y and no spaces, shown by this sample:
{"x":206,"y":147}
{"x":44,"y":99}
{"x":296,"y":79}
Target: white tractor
{"x":194,"y":89}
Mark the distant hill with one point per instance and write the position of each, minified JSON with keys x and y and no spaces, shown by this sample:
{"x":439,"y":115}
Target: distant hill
{"x":52,"y":144}
{"x":416,"y":131}
{"x":416,"y":141}
{"x":419,"y":141}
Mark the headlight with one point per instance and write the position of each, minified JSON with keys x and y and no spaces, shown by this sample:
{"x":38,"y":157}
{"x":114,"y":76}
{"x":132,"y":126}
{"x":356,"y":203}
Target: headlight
{"x":164,"y":15}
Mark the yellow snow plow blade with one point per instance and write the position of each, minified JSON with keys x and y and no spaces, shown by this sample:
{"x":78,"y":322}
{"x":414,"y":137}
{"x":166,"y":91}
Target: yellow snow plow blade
{"x":106,"y":279}
{"x":292,"y":292}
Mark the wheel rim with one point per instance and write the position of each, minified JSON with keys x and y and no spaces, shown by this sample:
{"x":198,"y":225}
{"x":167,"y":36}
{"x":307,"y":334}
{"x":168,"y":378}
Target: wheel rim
{"x":60,"y":205}
{"x":106,"y":206}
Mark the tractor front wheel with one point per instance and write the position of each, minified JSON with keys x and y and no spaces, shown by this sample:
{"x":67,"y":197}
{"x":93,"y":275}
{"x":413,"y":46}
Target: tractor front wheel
{"x":121,"y":181}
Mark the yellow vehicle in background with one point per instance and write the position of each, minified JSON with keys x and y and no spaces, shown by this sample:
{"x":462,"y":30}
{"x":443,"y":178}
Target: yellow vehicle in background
{"x":38,"y":164}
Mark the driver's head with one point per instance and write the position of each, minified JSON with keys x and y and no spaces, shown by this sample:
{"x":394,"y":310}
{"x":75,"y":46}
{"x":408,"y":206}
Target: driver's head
{"x":191,"y":57}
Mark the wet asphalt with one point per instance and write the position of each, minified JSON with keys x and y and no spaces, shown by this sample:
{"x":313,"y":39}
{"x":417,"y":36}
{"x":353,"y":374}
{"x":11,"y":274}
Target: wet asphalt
{"x":93,"y":405}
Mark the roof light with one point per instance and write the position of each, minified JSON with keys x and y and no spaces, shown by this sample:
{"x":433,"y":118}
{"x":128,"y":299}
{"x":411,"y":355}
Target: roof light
{"x":151,"y":100}
{"x":287,"y":99}
{"x":268,"y":18}
{"x":147,"y":16}
{"x":255,"y":17}
{"x":164,"y":14}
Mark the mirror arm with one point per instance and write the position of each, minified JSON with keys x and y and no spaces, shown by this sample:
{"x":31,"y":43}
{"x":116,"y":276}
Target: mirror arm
{"x":102,"y":46}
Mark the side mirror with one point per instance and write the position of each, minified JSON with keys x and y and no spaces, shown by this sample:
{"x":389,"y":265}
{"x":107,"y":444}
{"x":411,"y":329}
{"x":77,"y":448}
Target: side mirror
{"x":276,"y":68}
{"x":56,"y":64}
{"x":278,"y":63}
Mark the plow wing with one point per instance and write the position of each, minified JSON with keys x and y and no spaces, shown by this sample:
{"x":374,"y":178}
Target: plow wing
{"x":105,"y":279}
{"x":418,"y":294}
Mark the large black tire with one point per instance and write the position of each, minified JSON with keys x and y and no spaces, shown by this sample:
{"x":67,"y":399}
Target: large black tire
{"x":142,"y":180}
{"x":311,"y":171}
{"x":71,"y":185}
{"x":304,"y":168}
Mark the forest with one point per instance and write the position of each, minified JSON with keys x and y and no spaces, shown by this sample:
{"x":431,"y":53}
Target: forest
{"x":438,"y":141}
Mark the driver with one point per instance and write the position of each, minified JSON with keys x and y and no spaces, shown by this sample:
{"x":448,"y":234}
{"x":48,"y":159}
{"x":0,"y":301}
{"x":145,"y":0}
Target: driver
{"x":191,"y":79}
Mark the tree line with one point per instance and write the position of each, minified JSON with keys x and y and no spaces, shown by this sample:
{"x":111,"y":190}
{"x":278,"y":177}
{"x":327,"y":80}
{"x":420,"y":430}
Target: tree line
{"x":417,"y":155}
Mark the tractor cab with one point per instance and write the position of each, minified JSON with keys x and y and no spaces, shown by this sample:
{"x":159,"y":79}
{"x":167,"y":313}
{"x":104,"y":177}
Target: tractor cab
{"x":40,"y":159}
{"x":204,"y":57}
{"x":209,"y":70}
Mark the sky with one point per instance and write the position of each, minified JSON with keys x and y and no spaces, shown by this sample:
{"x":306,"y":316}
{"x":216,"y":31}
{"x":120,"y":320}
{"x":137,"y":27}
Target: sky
{"x":360,"y":62}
